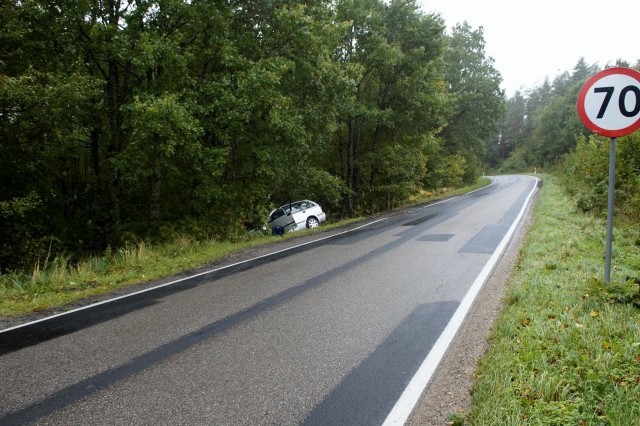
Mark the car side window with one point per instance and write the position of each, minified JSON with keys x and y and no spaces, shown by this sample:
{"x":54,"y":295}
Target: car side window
{"x":295,"y":207}
{"x":277,"y":214}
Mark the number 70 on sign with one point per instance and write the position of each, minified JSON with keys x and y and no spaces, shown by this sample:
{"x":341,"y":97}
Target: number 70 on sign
{"x":609,"y":102}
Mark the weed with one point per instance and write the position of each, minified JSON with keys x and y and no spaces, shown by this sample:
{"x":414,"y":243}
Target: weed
{"x":616,"y":292}
{"x":456,"y":419}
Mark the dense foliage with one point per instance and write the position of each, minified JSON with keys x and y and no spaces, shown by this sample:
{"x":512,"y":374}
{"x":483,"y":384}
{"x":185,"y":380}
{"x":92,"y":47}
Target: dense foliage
{"x":129,"y":120}
{"x":586,"y":175}
{"x":542,"y":130}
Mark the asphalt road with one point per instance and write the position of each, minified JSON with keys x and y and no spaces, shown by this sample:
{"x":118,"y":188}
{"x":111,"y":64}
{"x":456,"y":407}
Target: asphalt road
{"x":329,"y":333}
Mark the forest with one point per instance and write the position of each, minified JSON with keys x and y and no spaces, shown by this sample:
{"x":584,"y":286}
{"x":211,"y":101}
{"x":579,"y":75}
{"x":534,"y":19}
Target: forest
{"x":135,"y":120}
{"x":123,"y":121}
{"x":541,"y":130}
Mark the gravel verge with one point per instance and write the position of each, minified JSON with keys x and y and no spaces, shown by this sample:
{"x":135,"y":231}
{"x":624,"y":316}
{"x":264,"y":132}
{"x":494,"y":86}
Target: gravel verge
{"x":449,"y":390}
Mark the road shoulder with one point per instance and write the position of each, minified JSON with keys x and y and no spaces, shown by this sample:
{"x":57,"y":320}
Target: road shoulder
{"x":449,"y":390}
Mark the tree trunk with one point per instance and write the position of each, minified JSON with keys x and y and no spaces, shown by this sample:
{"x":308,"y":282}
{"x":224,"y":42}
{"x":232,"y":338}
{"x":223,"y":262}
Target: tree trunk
{"x":154,"y":201}
{"x":155,"y":185}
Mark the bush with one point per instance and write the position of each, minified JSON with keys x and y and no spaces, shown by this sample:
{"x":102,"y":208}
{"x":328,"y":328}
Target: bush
{"x":586,"y":175}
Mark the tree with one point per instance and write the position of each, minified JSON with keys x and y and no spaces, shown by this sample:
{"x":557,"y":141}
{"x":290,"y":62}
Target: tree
{"x":548,"y":125}
{"x":476,"y":100}
{"x":511,"y":131}
{"x":128,"y":120}
{"x":393,"y":55}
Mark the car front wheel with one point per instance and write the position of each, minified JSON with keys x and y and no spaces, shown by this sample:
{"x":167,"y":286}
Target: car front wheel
{"x":312,"y":222}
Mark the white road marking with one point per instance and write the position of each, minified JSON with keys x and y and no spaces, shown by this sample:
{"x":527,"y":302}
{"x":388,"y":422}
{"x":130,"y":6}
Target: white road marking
{"x":405,"y":405}
{"x":93,"y":305}
{"x":493,"y":181}
{"x":185,"y":278}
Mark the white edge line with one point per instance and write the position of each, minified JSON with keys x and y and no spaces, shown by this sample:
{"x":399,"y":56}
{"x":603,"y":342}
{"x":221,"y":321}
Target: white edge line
{"x":412,"y":393}
{"x":457,"y":196}
{"x":185,"y":278}
{"x":93,"y":305}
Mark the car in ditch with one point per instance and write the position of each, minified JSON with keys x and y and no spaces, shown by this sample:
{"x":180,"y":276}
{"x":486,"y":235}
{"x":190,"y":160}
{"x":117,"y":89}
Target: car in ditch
{"x":293,"y":216}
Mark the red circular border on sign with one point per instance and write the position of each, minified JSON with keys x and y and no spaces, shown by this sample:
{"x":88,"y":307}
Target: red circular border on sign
{"x":583,"y":94}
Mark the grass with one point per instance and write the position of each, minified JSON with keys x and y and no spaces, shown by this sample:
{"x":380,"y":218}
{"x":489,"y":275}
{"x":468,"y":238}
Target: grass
{"x":424,"y":196}
{"x":566,"y":349}
{"x":53,"y":284}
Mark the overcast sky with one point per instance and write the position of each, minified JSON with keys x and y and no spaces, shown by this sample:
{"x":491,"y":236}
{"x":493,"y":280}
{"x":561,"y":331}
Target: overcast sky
{"x":532,"y":39}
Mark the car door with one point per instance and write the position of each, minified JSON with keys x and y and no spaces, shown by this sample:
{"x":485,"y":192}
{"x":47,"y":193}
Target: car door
{"x":299,"y":214}
{"x":282,"y":217}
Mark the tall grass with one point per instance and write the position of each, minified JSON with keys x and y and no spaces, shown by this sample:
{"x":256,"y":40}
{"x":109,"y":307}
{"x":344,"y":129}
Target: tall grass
{"x":54,"y":283}
{"x":566,"y":349}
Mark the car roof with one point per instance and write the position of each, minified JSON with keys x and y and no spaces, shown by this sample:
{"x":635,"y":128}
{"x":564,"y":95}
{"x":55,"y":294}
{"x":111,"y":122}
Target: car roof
{"x":298,"y":201}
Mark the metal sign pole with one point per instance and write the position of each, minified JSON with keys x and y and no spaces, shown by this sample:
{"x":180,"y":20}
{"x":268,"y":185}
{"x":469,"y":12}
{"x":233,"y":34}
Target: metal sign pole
{"x":612,"y":184}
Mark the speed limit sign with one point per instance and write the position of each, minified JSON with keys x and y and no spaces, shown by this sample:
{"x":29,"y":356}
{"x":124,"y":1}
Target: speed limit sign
{"x":609,"y":102}
{"x":609,"y":105}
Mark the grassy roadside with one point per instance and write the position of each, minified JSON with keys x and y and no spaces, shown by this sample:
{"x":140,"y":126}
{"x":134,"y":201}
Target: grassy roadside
{"x":58,"y":282}
{"x":566,"y":349}
{"x":54,"y":283}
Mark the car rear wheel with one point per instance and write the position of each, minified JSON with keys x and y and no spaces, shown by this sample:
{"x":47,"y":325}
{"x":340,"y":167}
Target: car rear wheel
{"x":312,"y":222}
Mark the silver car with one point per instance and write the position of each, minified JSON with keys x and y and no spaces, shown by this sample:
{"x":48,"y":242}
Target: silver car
{"x":297,"y":215}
